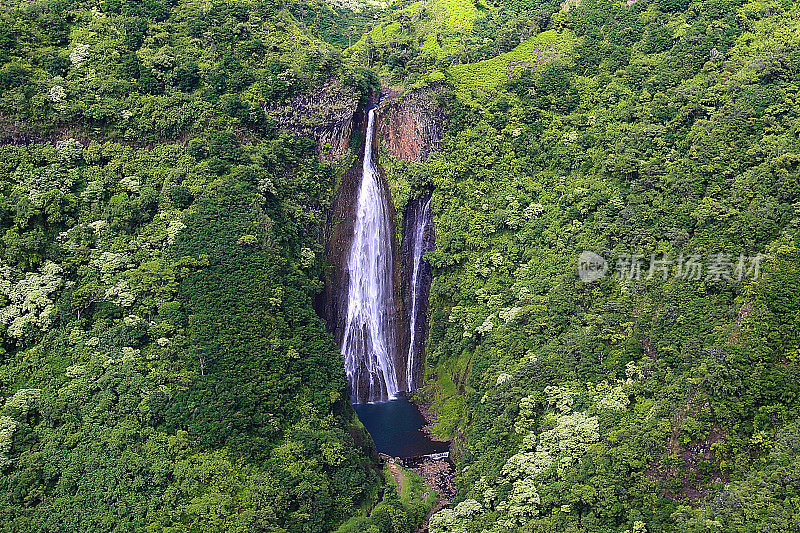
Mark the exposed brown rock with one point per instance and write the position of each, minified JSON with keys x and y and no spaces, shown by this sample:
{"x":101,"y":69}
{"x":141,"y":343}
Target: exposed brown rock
{"x":439,"y":474}
{"x":411,"y":126}
{"x":689,"y":456}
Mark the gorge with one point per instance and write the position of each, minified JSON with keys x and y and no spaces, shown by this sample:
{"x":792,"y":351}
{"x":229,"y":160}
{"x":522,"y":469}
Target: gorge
{"x":382,"y":334}
{"x":222,"y":307}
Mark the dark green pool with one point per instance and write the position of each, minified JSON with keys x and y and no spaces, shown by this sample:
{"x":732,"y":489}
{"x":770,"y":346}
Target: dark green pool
{"x":396,"y":428}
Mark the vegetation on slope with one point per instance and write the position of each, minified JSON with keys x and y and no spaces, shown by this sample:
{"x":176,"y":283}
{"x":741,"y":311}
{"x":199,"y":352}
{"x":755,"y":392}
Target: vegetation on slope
{"x":162,"y":368}
{"x":624,"y":404}
{"x":143,"y":73}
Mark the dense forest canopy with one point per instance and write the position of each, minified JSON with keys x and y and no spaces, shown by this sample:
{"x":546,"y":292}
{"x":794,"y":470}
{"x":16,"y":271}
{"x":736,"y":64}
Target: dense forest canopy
{"x":661,"y":404}
{"x":163,"y":222}
{"x":162,"y":366}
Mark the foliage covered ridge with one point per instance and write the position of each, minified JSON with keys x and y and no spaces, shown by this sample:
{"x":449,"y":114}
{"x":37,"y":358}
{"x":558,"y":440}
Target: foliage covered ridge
{"x":162,"y":366}
{"x":652,"y":129}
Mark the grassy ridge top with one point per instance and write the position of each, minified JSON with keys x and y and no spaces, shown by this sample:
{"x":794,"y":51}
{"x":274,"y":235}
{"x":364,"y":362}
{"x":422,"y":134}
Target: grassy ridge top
{"x":535,"y":53}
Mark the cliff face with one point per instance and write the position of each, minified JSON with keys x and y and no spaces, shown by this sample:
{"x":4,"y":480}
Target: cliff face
{"x":324,"y":114}
{"x":411,"y":127}
{"x":341,"y":222}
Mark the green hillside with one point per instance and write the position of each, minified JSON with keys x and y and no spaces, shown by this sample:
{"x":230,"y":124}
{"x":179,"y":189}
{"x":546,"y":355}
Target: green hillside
{"x":536,"y":54}
{"x":164,"y":213}
{"x":634,"y":403}
{"x":162,"y":368}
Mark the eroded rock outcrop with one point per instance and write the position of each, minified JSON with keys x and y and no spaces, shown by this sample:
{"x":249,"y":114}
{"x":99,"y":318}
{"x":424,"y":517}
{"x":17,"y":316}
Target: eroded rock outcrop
{"x":411,"y":126}
{"x":324,"y":114}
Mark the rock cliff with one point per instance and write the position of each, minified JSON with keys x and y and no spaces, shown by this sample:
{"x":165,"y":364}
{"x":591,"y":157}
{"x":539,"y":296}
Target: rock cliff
{"x":342,"y":219}
{"x":411,"y":126}
{"x":324,"y":114}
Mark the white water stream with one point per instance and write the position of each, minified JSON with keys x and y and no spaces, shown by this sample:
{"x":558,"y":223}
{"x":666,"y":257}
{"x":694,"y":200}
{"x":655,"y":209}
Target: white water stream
{"x":421,"y":221}
{"x":370,"y":337}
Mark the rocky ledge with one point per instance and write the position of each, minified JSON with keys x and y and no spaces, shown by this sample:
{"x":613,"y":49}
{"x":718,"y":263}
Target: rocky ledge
{"x":411,"y":126}
{"x":324,"y":114}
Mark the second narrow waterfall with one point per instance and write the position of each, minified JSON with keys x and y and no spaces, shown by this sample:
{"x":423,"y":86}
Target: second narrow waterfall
{"x":419,"y":229}
{"x":369,"y":342}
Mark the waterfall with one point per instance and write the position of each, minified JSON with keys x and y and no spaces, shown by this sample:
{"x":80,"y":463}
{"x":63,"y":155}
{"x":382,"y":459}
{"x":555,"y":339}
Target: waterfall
{"x":421,"y":221}
{"x":370,"y":338}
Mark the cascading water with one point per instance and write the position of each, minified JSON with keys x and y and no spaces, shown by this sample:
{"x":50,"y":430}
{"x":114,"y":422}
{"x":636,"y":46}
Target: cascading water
{"x":420,"y":246}
{"x":370,"y":338}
